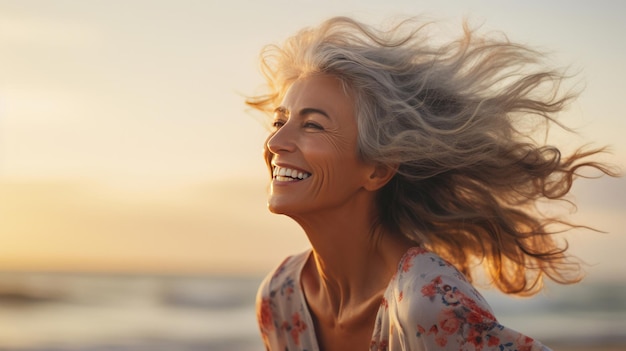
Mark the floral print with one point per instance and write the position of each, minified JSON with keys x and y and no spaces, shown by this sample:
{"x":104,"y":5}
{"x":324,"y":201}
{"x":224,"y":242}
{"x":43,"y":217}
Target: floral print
{"x":428,"y":305}
{"x":460,"y":316}
{"x":294,"y":329}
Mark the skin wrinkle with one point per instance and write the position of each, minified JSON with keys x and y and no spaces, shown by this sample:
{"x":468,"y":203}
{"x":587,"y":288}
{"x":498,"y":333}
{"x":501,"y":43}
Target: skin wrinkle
{"x":293,"y":132}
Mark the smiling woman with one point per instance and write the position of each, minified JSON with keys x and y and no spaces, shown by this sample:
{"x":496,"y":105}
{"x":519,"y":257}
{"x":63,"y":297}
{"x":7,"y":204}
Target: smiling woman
{"x":407,"y":164}
{"x":317,"y":120}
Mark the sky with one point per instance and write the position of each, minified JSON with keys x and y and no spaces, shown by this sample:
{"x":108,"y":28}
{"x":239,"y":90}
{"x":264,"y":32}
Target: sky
{"x":125,"y":144}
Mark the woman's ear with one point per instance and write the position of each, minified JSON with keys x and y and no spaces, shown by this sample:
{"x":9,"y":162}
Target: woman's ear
{"x":380,"y":175}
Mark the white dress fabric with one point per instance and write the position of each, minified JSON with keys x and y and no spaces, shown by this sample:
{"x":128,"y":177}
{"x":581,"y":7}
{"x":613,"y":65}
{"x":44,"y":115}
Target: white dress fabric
{"x":428,"y":305}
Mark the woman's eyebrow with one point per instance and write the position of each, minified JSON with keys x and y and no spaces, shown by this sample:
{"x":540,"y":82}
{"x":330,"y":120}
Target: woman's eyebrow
{"x":310,"y":110}
{"x":281,"y":110}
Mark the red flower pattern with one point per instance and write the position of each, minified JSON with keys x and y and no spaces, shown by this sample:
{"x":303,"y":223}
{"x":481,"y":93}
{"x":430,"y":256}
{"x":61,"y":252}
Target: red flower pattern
{"x":430,"y":290}
{"x":449,"y":322}
{"x":265,"y":315}
{"x":295,"y":328}
{"x":384,"y":303}
{"x":407,"y":260}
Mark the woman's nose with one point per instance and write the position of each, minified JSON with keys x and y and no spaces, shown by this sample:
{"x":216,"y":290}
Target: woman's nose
{"x":283,"y":140}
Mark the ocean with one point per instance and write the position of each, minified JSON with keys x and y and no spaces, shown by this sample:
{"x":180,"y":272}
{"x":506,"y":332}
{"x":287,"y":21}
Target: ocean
{"x":80,"y":312}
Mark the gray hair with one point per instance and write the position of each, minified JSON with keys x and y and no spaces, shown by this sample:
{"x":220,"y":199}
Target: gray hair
{"x":450,"y":119}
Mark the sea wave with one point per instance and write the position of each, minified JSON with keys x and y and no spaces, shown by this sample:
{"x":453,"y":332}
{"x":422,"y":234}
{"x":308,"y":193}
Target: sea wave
{"x":80,"y":312}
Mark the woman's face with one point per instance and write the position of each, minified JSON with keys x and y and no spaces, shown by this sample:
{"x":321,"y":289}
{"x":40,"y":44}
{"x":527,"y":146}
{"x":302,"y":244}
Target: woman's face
{"x":313,"y":149}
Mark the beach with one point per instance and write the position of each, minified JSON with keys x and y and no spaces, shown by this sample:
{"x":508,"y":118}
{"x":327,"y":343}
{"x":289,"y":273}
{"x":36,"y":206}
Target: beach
{"x":98,"y":312}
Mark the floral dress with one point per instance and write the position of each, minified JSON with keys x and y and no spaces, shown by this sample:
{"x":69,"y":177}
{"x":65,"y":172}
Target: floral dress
{"x":428,"y":305}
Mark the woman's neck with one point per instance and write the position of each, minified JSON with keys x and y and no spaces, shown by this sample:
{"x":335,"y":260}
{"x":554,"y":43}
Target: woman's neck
{"x":353,"y":260}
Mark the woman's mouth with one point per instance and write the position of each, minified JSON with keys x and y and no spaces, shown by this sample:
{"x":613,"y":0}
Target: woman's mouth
{"x":283,"y":174}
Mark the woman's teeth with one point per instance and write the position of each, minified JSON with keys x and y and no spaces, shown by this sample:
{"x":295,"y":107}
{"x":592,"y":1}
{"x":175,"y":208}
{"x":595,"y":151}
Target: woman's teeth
{"x":288,"y":174}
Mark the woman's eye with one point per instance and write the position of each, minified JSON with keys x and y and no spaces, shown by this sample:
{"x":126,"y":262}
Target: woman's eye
{"x":278,"y":124}
{"x":313,"y":126}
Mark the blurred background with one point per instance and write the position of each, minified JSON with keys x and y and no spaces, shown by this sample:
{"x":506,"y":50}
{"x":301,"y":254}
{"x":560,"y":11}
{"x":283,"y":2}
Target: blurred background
{"x":132,"y":188}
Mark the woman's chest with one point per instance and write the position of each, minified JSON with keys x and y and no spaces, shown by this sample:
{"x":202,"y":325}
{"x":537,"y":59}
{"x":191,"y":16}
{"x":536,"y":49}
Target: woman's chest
{"x":337,"y":337}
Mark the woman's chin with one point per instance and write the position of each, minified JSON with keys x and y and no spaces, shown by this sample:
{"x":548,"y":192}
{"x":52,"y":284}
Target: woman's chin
{"x":274,"y":210}
{"x":277,"y":207}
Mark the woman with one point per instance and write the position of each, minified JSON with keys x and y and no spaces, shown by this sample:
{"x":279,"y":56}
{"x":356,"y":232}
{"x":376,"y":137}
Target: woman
{"x":408,"y":166}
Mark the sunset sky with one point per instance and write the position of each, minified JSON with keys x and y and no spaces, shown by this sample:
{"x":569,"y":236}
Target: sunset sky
{"x":125,"y":144}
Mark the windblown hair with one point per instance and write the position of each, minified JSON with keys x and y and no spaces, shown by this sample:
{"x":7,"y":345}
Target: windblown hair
{"x":453,"y":120}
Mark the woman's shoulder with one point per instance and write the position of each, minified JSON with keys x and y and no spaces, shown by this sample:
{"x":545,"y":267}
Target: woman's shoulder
{"x":427,"y":282}
{"x":434,"y":299}
{"x":420,"y":266}
{"x":280,"y":304}
{"x":285,"y":276}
